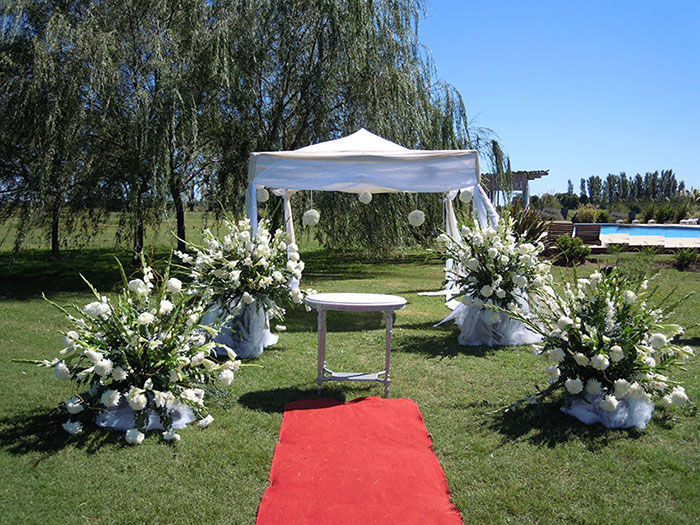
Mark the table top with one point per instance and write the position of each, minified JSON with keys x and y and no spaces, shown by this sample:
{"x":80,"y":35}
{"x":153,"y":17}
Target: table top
{"x":366,"y":302}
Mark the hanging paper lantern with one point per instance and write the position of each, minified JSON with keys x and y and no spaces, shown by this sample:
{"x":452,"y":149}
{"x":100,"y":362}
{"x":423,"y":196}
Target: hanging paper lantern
{"x":310,"y":217}
{"x":365,"y":197}
{"x":262,"y":195}
{"x":465,"y":196}
{"x":416,"y":218}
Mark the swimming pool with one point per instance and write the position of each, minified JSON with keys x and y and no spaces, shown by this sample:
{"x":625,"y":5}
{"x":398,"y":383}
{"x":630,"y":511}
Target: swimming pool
{"x":664,"y":230}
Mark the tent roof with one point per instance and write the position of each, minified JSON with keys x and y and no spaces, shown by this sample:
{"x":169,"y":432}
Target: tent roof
{"x":365,"y":162}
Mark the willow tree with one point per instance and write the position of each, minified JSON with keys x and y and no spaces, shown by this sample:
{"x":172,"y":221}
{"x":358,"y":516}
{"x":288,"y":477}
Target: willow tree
{"x":295,"y":73}
{"x":43,"y":119}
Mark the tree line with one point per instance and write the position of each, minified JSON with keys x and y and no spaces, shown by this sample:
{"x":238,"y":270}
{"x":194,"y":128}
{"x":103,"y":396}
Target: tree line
{"x":621,"y":188}
{"x":142,"y":107}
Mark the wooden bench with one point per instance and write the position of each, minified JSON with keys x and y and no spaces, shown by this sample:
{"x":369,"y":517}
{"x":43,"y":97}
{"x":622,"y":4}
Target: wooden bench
{"x":557,"y":229}
{"x":588,"y":233}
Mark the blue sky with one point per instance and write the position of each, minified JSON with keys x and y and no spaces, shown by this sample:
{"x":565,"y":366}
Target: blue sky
{"x":579,"y":88}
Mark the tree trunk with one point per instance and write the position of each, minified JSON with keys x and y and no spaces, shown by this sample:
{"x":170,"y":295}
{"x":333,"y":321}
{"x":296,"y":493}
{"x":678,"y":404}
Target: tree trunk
{"x":138,"y":229}
{"x":179,"y":216}
{"x":55,"y":219}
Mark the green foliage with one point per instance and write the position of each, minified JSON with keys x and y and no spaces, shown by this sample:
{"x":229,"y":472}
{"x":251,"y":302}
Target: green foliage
{"x":586,"y":213}
{"x":569,"y":251}
{"x":528,"y":223}
{"x":602,"y":216}
{"x":684,"y":258}
{"x":664,"y":213}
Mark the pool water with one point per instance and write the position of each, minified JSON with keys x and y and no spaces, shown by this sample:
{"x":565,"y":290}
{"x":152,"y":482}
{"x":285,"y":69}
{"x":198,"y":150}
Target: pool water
{"x":665,"y":230}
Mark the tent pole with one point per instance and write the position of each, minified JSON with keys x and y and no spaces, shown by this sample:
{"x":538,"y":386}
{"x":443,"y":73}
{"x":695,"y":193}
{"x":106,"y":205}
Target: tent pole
{"x":288,"y":222}
{"x":251,"y":205}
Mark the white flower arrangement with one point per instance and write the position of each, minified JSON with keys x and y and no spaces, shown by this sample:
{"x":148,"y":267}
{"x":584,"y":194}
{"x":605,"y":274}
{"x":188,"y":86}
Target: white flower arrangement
{"x":132,"y":348}
{"x":236,"y":269}
{"x":496,"y":269}
{"x":604,"y":343}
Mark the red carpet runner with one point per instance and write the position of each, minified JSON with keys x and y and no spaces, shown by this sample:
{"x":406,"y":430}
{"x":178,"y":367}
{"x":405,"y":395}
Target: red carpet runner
{"x":366,"y":461}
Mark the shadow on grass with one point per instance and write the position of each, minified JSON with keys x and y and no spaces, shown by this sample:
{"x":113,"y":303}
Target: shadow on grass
{"x":299,"y":320}
{"x":441,"y":343}
{"x":30,"y":273}
{"x":274,"y":400}
{"x":41,"y":431}
{"x":545,"y":425}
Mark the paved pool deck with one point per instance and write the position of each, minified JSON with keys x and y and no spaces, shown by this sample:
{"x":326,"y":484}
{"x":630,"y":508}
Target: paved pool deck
{"x":639,"y":241}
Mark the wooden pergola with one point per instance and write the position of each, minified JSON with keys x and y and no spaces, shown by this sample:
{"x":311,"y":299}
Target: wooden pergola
{"x":521,"y":183}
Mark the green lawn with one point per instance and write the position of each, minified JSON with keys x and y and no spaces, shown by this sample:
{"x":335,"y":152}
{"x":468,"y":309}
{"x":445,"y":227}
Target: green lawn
{"x":536,"y":466}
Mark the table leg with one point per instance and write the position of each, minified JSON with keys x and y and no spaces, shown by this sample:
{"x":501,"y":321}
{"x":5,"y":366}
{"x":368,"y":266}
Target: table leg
{"x":387,"y":378}
{"x":321,"y":347}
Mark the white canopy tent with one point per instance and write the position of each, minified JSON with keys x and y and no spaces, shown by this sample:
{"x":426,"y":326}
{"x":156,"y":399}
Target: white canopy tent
{"x":366,"y":162}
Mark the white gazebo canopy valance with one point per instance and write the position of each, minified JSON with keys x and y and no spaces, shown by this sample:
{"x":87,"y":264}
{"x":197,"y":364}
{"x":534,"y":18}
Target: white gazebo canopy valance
{"x":365,"y":162}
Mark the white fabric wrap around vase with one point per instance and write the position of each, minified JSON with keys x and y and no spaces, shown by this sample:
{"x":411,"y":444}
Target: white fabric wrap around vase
{"x":630,"y":412}
{"x":121,"y":417}
{"x":476,"y":329}
{"x":247,"y":333}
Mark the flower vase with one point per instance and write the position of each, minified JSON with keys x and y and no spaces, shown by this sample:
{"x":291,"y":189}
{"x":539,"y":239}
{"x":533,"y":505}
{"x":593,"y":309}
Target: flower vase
{"x":248,"y":332}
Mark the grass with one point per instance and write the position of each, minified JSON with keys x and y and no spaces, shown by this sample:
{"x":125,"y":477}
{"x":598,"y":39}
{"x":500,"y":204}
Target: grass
{"x":534,"y":466}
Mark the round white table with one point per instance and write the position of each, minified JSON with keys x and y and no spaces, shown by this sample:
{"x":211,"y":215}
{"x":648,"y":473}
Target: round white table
{"x":353,"y":302}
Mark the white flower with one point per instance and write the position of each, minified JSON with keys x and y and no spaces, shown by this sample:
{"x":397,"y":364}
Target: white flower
{"x":277,"y":276}
{"x":280,"y":328}
{"x":519,"y":281}
{"x":678,"y":396}
{"x":197,"y":359}
{"x":593,"y":387}
{"x":657,"y":340}
{"x":600,"y":362}
{"x":595,"y":278}
{"x":92,"y":356}
{"x":609,"y":403}
{"x":170,"y":435}
{"x":173,"y":285}
{"x":73,"y":427}
{"x":310,"y":217}
{"x":119,"y":374}
{"x":195,"y":395}
{"x":165,"y":307}
{"x":557,"y":355}
{"x":565,"y":322}
{"x":74,"y":405}
{"x":162,"y":398}
{"x":226,"y":377}
{"x":616,"y":353}
{"x":138,"y":287}
{"x":472,"y":264}
{"x":70,"y":338}
{"x":97,"y":309}
{"x":486,"y":291}
{"x":493,"y":252}
{"x":622,"y":388}
{"x":148,"y":384}
{"x":134,"y":436}
{"x":629,"y":297}
{"x":294,"y":256}
{"x":493,"y":316}
{"x":636,"y":391}
{"x":137,"y":400}
{"x":103,"y":367}
{"x":500,"y":293}
{"x":247,"y":298}
{"x":574,"y":386}
{"x":110,"y":398}
{"x":581,"y":359}
{"x":553,"y":372}
{"x":62,"y":371}
{"x":204,"y":423}
{"x":365,"y":197}
{"x":666,"y":401}
{"x":416,"y":218}
{"x":145,"y":318}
